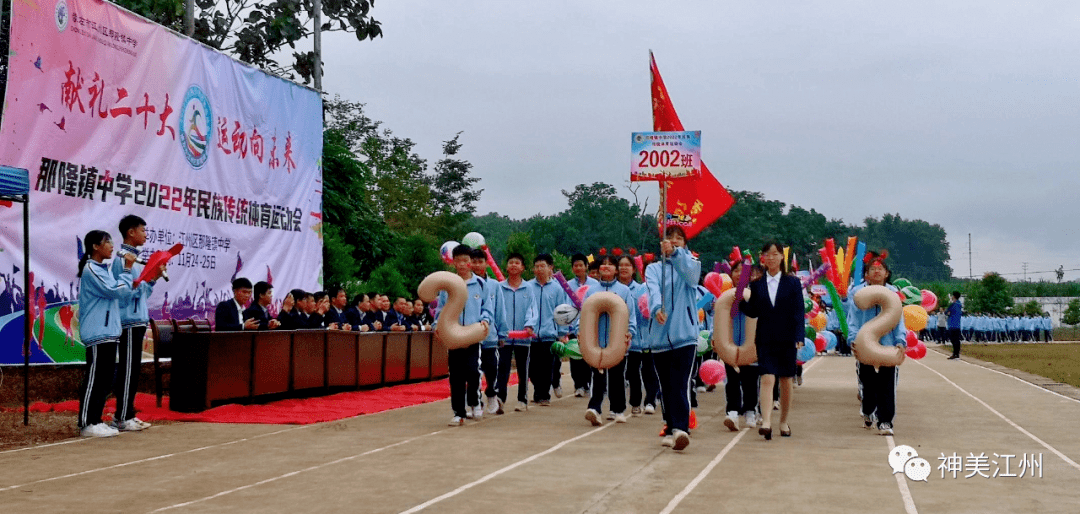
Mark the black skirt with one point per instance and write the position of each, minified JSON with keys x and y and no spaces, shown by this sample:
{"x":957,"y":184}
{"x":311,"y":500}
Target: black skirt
{"x":776,"y":358}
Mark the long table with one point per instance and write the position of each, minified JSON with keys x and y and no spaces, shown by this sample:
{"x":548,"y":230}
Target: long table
{"x":212,"y":368}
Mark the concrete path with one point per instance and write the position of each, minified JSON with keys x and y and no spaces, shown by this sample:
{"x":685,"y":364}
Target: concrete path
{"x":550,"y":460}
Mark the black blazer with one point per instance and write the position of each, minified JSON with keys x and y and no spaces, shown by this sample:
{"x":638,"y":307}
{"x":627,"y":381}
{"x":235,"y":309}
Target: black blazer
{"x":781,"y":323}
{"x":257,"y":312}
{"x":289,"y":320}
{"x":332,"y":316}
{"x":227,"y":318}
{"x":385,"y":318}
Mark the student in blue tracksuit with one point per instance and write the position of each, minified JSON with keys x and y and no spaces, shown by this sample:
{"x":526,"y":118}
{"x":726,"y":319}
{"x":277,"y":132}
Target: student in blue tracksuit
{"x":464,"y":363}
{"x":610,"y":381}
{"x":580,"y":371}
{"x":741,"y":389}
{"x":100,"y":293}
{"x":134,"y":318}
{"x":878,"y":387}
{"x":489,"y":347}
{"x":639,"y":366}
{"x":672,"y":286}
{"x":516,"y":300}
{"x":546,"y":294}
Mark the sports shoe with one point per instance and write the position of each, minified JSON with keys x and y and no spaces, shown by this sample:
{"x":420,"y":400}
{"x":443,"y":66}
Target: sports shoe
{"x":635,"y":412}
{"x":492,"y":404}
{"x":593,"y":417}
{"x":128,"y":426}
{"x":610,"y":416}
{"x":650,"y":408}
{"x":544,"y":403}
{"x":885,"y":428}
{"x":751,"y":419}
{"x":667,"y":441}
{"x":558,"y":392}
{"x":456,"y":421}
{"x":682,"y":440}
{"x":521,"y":407}
{"x":700,"y":389}
{"x":732,"y":421}
{"x":142,"y":423}
{"x":867,"y":422}
{"x":99,"y":430}
{"x":620,"y":418}
{"x":710,"y":388}
{"x":477,"y":412}
{"x":579,"y":392}
{"x":468,"y":413}
{"x":499,"y":406}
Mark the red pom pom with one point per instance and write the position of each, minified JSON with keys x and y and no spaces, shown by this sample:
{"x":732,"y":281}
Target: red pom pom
{"x":602,"y":252}
{"x":633,"y":251}
{"x":616,"y":252}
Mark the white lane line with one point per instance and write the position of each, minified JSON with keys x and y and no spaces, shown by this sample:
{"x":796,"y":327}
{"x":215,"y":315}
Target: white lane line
{"x":705,"y":472}
{"x":716,"y":460}
{"x":1007,"y":420}
{"x":901,"y":482}
{"x":148,"y":459}
{"x":79,"y":440}
{"x":494,"y":474}
{"x":1018,"y":379}
{"x":297,"y":472}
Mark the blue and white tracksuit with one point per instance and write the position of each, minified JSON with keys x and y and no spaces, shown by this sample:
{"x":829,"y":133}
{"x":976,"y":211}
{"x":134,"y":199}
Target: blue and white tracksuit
{"x":672,"y":287}
{"x":100,"y":293}
{"x":878,"y":389}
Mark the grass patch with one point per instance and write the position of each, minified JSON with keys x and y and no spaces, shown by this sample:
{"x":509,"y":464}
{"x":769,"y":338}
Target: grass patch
{"x":45,"y":427}
{"x":1058,"y":362}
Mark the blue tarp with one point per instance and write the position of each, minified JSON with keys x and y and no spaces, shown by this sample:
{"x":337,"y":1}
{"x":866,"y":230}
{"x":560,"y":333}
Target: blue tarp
{"x":14,"y":181}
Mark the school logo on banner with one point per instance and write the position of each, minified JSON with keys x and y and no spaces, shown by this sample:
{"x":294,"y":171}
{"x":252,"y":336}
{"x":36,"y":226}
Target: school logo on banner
{"x":195,"y":127}
{"x":63,"y":16}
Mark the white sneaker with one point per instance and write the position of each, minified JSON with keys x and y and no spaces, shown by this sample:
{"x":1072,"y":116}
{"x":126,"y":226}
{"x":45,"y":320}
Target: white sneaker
{"x":492,"y":404}
{"x":635,"y":412}
{"x":579,"y":392}
{"x":468,"y":413}
{"x":558,"y":392}
{"x":620,"y":418}
{"x":682,"y":440}
{"x":142,"y":423}
{"x":610,"y":416}
{"x":99,"y":430}
{"x":700,"y":389}
{"x":128,"y":426}
{"x":667,"y":441}
{"x":521,"y":407}
{"x":477,"y":412}
{"x":732,"y":421}
{"x":751,"y":419}
{"x":885,"y":428}
{"x":456,"y":421}
{"x":593,"y":417}
{"x":650,"y":409}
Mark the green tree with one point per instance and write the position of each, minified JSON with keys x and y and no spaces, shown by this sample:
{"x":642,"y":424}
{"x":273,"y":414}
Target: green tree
{"x":453,"y":190}
{"x":1071,"y":316}
{"x":386,"y":279}
{"x":917,"y":249}
{"x":254,"y":31}
{"x":990,"y":295}
{"x":521,"y":242}
{"x":417,"y":257}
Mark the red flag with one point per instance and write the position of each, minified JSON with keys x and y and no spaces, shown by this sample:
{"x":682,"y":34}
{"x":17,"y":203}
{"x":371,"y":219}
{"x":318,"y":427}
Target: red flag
{"x":692,"y":203}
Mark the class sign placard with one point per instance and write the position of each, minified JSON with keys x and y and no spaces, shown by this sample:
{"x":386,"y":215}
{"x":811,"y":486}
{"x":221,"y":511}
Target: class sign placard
{"x":665,"y":155}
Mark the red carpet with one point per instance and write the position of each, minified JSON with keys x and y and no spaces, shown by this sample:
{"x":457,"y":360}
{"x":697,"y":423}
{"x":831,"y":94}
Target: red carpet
{"x":295,"y":412}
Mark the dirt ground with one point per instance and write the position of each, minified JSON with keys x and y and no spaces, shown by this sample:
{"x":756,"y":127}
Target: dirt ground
{"x":954,"y":414}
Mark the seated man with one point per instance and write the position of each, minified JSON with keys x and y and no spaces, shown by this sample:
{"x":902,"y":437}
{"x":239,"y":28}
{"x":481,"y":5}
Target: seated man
{"x":404,"y":320}
{"x":335,"y":316}
{"x":289,"y":315}
{"x":380,"y":312}
{"x":354,"y":315}
{"x":260,"y":308}
{"x":229,"y":315}
{"x":320,"y":305}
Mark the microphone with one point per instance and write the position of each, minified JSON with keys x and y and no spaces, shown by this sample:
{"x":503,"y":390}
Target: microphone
{"x":140,"y":260}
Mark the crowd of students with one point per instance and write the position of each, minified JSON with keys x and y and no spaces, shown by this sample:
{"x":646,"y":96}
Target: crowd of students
{"x":991,"y":328}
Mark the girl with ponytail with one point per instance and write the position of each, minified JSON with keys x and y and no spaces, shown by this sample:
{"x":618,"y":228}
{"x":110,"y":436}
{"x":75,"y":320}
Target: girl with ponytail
{"x":99,"y":327}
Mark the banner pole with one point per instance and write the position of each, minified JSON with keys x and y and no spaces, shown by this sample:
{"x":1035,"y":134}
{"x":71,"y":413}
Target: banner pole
{"x":26,"y":310}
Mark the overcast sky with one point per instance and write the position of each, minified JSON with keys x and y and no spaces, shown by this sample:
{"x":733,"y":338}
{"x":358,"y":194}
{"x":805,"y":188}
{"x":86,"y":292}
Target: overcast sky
{"x":963,"y":114}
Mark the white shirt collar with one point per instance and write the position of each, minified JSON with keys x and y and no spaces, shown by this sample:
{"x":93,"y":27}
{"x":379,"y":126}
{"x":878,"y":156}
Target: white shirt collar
{"x":773,"y":278}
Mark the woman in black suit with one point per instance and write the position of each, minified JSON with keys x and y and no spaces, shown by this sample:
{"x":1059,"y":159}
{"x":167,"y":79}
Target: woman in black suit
{"x":776,"y":301}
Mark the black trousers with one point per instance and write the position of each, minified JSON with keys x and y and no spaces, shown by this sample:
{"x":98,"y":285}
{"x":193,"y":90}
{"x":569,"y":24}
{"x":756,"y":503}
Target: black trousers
{"x":581,"y":372}
{"x":126,"y":383}
{"x":100,"y":365}
{"x":612,"y":381}
{"x":741,"y":389}
{"x":464,"y":364}
{"x":540,"y":362}
{"x":521,"y":355}
{"x":954,"y":336}
{"x":489,"y":364}
{"x":673,"y":368}
{"x":640,"y":372}
{"x":879,"y":391}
